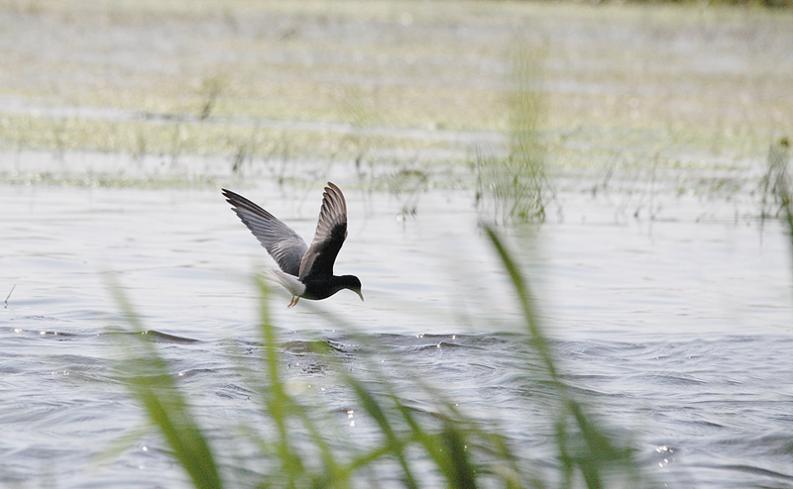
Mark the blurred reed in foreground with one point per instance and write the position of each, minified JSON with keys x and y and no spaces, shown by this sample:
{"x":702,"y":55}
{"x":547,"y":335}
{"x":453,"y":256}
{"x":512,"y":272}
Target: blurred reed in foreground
{"x":413,"y":449}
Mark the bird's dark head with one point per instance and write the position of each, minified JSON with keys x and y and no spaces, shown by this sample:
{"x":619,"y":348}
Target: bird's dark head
{"x":351,"y":282}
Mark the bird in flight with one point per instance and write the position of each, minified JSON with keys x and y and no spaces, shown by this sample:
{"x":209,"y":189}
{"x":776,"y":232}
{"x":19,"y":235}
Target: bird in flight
{"x":305,"y":271}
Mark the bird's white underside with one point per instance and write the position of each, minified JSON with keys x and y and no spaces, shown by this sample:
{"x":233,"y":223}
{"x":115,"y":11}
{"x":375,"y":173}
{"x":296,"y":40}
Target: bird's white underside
{"x":290,"y":282}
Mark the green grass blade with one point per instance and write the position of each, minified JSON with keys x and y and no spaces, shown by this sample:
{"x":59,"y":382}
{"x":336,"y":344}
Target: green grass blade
{"x":278,"y":402}
{"x":536,"y":335}
{"x":463,"y":474}
{"x":594,"y":450}
{"x":154,"y":387}
{"x":373,"y":408}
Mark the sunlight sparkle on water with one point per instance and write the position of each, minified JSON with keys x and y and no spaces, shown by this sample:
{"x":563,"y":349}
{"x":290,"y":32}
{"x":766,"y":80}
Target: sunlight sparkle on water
{"x":351,"y":418}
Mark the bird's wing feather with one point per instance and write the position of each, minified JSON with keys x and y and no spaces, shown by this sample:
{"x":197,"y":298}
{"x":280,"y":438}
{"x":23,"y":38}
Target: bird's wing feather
{"x":283,"y":244}
{"x":330,"y":235}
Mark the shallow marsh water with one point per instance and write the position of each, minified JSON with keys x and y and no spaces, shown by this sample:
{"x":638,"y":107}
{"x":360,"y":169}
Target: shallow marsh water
{"x":677,"y":330}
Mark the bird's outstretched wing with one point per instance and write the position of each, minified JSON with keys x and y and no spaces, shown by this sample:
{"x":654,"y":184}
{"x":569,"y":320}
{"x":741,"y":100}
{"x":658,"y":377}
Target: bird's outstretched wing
{"x":283,"y":244}
{"x":330,"y":235}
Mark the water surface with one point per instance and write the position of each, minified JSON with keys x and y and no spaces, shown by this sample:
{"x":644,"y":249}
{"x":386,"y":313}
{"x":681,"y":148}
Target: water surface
{"x":676,"y":330}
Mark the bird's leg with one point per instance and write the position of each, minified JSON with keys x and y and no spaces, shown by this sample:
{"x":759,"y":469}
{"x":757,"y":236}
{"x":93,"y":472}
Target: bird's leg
{"x":293,"y":302}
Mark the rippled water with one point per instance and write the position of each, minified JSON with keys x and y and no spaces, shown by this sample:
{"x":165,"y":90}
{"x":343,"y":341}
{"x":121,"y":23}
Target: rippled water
{"x":677,"y":331}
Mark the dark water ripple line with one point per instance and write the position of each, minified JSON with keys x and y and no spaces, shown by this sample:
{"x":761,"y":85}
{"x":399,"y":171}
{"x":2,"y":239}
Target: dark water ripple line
{"x":750,"y":469}
{"x":442,"y":345}
{"x":157,"y":335}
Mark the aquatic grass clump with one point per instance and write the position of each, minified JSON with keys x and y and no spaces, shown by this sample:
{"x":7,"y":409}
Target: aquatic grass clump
{"x":515,"y":184}
{"x":776,"y":186}
{"x":211,"y":89}
{"x":299,"y":444}
{"x":775,"y":183}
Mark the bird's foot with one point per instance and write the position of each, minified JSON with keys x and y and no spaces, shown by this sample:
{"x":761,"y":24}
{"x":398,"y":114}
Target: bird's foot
{"x":294,"y":301}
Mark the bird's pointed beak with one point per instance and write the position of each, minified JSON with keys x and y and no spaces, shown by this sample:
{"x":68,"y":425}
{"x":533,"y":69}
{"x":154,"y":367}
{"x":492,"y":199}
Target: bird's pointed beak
{"x":360,"y":294}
